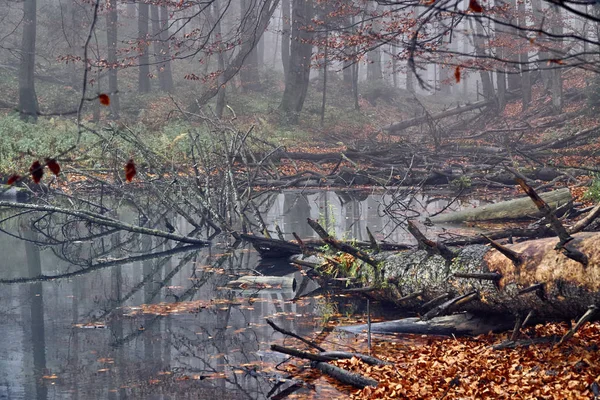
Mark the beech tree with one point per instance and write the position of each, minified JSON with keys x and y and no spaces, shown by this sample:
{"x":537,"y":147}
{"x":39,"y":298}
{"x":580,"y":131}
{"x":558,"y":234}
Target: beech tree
{"x":28,"y":104}
{"x":297,"y":78}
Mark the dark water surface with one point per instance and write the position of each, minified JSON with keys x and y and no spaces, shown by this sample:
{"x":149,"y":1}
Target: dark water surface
{"x":167,"y":327}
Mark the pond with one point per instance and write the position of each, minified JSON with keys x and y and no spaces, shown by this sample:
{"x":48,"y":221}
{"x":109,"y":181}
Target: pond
{"x":119,"y":325}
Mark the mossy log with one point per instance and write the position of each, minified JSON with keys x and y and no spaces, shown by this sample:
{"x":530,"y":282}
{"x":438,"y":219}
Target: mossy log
{"x":481,"y":279}
{"x":511,"y":209}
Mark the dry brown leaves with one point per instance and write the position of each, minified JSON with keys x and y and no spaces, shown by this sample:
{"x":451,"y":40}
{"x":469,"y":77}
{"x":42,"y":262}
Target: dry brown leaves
{"x":470,"y":368}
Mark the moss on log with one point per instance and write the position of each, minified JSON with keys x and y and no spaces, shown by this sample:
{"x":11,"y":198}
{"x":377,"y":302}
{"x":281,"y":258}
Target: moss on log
{"x":565,"y":288}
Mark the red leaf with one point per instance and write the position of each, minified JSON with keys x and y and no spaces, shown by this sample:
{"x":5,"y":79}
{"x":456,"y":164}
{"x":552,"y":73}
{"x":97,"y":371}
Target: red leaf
{"x":104,"y":99}
{"x":556,"y":61}
{"x":130,"y":170}
{"x":474,"y":6}
{"x":37,"y":171}
{"x":457,"y":74}
{"x":12,"y":179}
{"x":53,"y":166}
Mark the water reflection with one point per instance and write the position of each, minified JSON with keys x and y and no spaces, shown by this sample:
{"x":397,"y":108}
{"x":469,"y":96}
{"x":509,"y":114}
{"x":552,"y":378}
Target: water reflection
{"x":164,"y":327}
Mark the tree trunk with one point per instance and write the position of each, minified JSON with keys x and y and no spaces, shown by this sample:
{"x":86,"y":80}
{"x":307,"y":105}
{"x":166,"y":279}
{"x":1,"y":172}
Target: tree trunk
{"x":512,"y":54}
{"x":249,"y":76}
{"x":220,"y":104}
{"x":285,"y":36}
{"x":111,"y":39}
{"x":524,"y":60}
{"x":28,"y":104}
{"x":540,"y":22}
{"x":556,"y":87}
{"x":296,"y":84}
{"x":479,"y":42}
{"x":167,"y":76}
{"x":160,"y":38}
{"x":374,"y":72}
{"x":511,"y":209}
{"x":144,"y":57}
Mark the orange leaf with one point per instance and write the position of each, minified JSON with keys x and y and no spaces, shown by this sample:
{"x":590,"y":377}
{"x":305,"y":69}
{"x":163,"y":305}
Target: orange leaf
{"x":104,"y":99}
{"x":457,"y":74}
{"x":53,"y":166}
{"x":37,"y":171}
{"x":556,"y":61}
{"x":130,"y":170}
{"x":12,"y":179}
{"x":474,"y":6}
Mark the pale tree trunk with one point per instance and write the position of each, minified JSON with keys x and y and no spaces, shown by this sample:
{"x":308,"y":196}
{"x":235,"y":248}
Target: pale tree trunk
{"x":167,"y":75}
{"x":540,"y":22}
{"x":220,"y":104}
{"x":111,"y":39}
{"x":500,"y":74}
{"x":144,"y":58}
{"x":162,"y":57}
{"x":556,"y":87}
{"x":524,"y":59}
{"x":374,"y":72}
{"x":285,"y":36}
{"x":296,"y":84}
{"x":514,"y":79}
{"x":249,"y":75}
{"x":479,"y":42}
{"x":28,"y":104}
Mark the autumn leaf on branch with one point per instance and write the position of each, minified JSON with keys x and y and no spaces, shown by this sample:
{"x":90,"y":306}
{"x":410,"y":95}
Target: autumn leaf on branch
{"x":53,"y":166}
{"x":130,"y":170}
{"x":12,"y":179}
{"x":37,"y":171}
{"x":104,"y":99}
{"x":457,"y":74}
{"x":475,"y":6}
{"x":556,"y":61}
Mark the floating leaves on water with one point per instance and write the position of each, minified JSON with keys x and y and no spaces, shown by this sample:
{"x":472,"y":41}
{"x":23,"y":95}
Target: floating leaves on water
{"x":104,"y":99}
{"x":130,"y":170}
{"x":37,"y":171}
{"x":12,"y":179}
{"x":53,"y":166}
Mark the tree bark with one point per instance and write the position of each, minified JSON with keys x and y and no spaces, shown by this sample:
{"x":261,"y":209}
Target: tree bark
{"x":296,"y":84}
{"x":249,"y":74}
{"x":28,"y":104}
{"x":160,"y":38}
{"x":285,"y":36}
{"x":479,"y":43}
{"x":111,"y":39}
{"x":524,"y":59}
{"x":144,"y":57}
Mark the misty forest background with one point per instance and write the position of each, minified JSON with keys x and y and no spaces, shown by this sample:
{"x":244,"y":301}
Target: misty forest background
{"x":296,"y":70}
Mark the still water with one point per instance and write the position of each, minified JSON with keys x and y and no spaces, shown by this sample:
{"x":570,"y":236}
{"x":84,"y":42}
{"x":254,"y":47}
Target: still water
{"x":165,"y":327}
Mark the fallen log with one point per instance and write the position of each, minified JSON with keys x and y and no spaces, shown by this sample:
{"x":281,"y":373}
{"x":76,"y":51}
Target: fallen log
{"x":275,"y":248}
{"x":398,"y":126}
{"x":464,"y":324}
{"x":263,"y":282}
{"x":569,"y":287}
{"x":511,"y":209}
{"x":320,"y":363}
